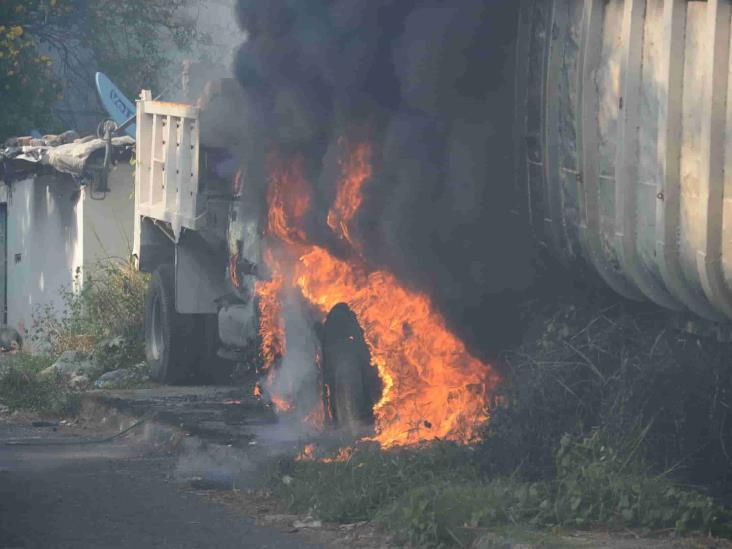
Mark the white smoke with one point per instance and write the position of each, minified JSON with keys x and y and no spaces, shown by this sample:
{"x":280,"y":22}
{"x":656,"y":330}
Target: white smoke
{"x":297,"y":377}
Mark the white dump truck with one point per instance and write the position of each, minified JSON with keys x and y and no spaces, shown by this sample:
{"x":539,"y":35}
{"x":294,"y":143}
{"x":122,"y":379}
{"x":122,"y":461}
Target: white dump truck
{"x":184,"y":180}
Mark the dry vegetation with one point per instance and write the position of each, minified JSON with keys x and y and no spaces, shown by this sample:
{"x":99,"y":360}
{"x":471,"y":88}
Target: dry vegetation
{"x":110,"y":303}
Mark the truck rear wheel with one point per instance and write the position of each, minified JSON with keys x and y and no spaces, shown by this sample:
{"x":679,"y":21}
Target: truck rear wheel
{"x":346,"y":369}
{"x":168,"y":345}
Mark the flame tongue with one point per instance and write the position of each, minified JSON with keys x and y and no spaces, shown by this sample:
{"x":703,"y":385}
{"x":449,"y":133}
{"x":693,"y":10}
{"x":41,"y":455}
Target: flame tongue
{"x":356,"y":168}
{"x":432,"y":386}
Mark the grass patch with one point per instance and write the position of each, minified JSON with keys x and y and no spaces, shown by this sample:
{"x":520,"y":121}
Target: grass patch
{"x":22,"y":387}
{"x":435,"y":496}
{"x":449,"y":514}
{"x":356,"y":489}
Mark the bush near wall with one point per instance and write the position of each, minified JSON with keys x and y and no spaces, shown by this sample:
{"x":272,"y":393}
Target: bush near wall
{"x":108,"y":305}
{"x":22,"y":387}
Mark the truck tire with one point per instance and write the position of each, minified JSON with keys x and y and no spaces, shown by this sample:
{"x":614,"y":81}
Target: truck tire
{"x":346,"y":364}
{"x":169,"y":348}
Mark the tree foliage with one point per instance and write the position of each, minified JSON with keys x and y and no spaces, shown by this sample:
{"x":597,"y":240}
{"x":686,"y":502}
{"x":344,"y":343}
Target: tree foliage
{"x":43,"y":42}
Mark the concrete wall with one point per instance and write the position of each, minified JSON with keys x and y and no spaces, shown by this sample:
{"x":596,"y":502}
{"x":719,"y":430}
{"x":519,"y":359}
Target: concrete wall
{"x":56,"y":229}
{"x":107,"y":223}
{"x":44,"y":244}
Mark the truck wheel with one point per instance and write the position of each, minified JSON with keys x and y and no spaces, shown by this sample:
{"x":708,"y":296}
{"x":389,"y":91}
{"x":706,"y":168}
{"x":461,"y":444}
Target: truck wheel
{"x":167,"y":334}
{"x":346,"y":363}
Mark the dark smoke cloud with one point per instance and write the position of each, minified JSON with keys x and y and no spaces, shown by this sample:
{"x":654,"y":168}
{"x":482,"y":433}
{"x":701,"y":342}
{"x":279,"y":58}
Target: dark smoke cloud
{"x":431,"y":82}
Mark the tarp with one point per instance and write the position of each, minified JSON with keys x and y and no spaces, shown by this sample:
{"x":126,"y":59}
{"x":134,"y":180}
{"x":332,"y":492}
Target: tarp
{"x":65,"y":157}
{"x":72,"y":157}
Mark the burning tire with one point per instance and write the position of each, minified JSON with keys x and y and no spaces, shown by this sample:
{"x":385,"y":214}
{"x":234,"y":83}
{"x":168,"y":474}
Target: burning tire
{"x":168,"y":345}
{"x":347,"y":372}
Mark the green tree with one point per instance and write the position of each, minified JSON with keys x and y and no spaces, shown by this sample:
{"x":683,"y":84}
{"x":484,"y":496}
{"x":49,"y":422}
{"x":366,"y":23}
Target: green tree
{"x":131,"y":40}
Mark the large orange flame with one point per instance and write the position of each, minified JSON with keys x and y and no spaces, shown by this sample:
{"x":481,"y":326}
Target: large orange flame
{"x":288,"y":201}
{"x":271,"y":322}
{"x":432,"y":386}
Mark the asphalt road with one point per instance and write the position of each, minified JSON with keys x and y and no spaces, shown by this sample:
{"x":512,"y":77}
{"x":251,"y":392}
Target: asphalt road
{"x":109,"y":495}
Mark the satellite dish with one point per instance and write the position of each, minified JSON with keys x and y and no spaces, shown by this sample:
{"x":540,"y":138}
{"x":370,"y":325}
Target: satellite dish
{"x":120,"y":108}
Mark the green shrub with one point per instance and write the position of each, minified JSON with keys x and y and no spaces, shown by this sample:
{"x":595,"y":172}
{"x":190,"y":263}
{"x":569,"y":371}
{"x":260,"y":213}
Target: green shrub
{"x":22,"y":387}
{"x":109,"y":304}
{"x":598,"y":485}
{"x":25,"y":362}
{"x":119,"y":352}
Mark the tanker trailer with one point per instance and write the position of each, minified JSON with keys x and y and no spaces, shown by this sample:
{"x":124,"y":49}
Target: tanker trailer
{"x":625,"y":146}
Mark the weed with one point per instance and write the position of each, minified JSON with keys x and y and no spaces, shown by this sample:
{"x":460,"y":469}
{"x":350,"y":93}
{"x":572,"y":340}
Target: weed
{"x":120,"y":352}
{"x":448,"y":514}
{"x":435,"y":496}
{"x":596,"y":486}
{"x":22,"y":387}
{"x":620,"y":370}
{"x":356,"y":489}
{"x":24,"y":361}
{"x":108,"y":305}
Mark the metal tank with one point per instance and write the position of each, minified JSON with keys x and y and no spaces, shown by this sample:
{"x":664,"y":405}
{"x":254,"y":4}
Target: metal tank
{"x":625,"y":143}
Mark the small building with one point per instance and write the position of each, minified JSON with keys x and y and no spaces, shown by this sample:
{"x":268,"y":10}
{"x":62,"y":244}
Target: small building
{"x":60,"y":213}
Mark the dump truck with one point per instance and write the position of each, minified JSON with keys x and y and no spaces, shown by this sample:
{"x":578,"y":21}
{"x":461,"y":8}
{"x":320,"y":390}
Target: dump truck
{"x":622,"y":159}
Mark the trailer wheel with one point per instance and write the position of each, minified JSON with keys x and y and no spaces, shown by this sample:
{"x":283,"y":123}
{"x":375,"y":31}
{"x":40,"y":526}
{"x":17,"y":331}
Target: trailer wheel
{"x":168,"y":345}
{"x":346,"y":366}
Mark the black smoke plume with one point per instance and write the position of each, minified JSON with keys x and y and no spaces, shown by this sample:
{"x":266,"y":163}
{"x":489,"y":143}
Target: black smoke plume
{"x":431,"y":84}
